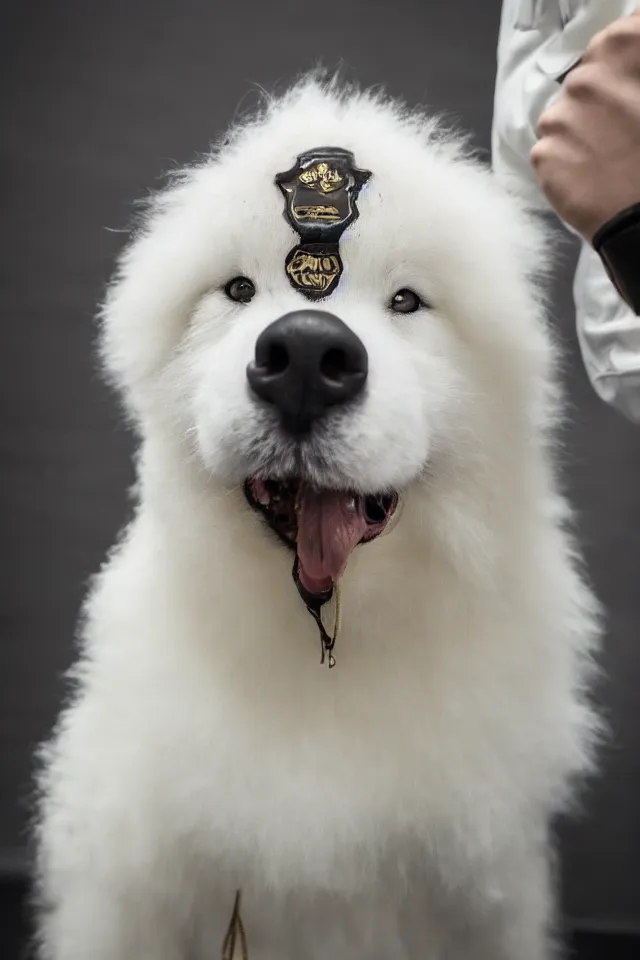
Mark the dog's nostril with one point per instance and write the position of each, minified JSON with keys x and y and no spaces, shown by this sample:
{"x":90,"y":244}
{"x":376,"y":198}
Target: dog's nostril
{"x":277,"y":358}
{"x":334,"y":364}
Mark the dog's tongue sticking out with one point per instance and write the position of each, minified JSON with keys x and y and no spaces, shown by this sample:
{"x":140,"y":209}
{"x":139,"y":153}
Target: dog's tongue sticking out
{"x":331,"y":524}
{"x":323,"y":526}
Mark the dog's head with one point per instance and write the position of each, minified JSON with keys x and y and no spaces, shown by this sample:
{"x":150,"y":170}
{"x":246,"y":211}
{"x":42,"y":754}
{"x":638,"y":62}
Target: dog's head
{"x":331,"y":326}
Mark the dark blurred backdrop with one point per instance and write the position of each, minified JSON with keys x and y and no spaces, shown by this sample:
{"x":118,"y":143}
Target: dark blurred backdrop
{"x":99,"y":97}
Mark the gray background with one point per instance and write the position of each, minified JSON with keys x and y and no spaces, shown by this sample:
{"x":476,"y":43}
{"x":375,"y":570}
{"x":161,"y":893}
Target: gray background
{"x":98,"y":98}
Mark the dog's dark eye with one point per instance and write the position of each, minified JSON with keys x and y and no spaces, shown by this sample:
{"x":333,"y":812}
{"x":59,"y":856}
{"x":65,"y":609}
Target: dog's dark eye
{"x":240,"y":289}
{"x":405,"y":301}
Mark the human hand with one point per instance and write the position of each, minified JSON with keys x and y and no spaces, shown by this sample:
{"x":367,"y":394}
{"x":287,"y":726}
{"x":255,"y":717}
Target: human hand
{"x":587,"y":158}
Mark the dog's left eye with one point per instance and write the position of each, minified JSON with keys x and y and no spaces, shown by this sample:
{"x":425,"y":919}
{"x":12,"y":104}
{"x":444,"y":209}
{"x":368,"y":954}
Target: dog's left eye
{"x":405,"y":301}
{"x":240,"y":289}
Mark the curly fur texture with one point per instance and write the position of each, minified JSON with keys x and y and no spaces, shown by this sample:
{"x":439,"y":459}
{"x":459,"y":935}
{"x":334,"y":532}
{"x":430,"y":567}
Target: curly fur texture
{"x":397,"y":806}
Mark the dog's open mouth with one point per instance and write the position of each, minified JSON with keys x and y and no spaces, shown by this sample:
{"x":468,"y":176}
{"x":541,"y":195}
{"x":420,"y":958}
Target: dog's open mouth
{"x":323,"y":526}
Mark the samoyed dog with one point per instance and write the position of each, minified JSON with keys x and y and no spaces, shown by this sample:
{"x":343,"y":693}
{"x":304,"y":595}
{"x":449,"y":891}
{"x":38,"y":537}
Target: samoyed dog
{"x":333,"y":683}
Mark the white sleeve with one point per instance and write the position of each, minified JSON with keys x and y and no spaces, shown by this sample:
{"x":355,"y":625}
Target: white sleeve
{"x":524,"y":87}
{"x":539,"y":42}
{"x":609,"y":336}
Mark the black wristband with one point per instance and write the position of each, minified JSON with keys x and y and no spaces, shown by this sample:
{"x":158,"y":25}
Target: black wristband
{"x":618,"y":244}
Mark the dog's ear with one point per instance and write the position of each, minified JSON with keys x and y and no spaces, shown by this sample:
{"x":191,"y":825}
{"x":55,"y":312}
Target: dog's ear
{"x":138,"y":319}
{"x":160,"y":275}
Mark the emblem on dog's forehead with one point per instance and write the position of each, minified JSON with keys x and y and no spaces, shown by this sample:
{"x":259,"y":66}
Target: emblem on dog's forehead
{"x":313,"y":269}
{"x":320,"y":191}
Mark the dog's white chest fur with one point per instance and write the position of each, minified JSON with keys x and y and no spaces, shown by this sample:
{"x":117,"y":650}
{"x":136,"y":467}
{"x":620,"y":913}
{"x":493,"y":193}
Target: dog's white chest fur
{"x":348,"y":826}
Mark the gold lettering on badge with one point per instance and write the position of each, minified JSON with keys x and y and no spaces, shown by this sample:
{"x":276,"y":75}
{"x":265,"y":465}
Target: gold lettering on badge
{"x":323,"y":177}
{"x":234,"y":945}
{"x":317,"y":212}
{"x":310,"y":271}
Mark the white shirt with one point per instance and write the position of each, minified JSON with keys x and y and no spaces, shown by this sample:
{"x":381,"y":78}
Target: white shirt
{"x":540,"y":40}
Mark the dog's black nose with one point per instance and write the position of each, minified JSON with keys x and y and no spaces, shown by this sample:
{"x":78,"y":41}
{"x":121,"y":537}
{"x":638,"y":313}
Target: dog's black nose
{"x":306,"y":362}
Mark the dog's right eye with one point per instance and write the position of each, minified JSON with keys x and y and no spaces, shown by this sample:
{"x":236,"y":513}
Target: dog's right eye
{"x":240,"y":289}
{"x":405,"y":301}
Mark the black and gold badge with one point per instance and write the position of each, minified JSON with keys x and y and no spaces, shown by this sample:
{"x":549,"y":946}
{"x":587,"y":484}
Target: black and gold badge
{"x":320,"y":192}
{"x":314,"y":269}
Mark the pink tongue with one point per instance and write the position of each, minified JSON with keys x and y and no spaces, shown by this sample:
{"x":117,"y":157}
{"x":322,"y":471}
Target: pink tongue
{"x":330,"y":526}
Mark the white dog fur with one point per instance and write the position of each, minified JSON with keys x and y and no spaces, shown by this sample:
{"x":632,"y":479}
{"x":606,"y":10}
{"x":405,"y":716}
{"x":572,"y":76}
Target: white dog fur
{"x":397,"y":806}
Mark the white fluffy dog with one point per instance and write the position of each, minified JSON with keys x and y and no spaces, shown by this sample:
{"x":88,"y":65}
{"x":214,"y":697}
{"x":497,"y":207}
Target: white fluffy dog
{"x":353,"y":350}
